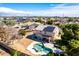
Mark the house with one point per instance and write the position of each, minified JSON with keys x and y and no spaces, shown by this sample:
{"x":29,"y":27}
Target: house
{"x":33,"y":26}
{"x":47,"y":32}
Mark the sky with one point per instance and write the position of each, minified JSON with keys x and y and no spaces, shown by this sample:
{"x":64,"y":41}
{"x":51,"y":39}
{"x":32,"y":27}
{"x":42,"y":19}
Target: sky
{"x":39,"y":9}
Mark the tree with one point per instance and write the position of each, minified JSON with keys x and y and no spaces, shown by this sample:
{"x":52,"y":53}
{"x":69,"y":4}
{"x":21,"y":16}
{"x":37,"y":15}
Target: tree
{"x":76,"y":36}
{"x":70,"y":38}
{"x":49,"y":21}
{"x":70,"y":19}
{"x":74,"y":43}
{"x":70,"y":31}
{"x":6,"y":34}
{"x":22,"y":32}
{"x":68,"y":34}
{"x":39,"y":20}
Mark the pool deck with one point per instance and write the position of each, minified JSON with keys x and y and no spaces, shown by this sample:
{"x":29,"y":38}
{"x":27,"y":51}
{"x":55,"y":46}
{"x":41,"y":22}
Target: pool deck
{"x":21,"y":45}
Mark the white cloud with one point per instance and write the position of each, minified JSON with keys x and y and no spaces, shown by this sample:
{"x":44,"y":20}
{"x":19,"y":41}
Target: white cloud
{"x":9,"y":11}
{"x":72,"y":10}
{"x":63,"y":6}
{"x":62,"y":9}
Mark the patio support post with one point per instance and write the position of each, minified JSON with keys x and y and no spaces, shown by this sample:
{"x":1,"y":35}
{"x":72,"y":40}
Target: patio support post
{"x":49,"y":39}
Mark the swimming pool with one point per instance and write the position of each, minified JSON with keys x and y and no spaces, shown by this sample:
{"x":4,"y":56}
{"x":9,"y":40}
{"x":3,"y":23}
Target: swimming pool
{"x":41,"y":48}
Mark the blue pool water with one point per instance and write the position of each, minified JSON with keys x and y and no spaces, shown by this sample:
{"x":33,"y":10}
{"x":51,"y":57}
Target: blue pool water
{"x":41,"y":48}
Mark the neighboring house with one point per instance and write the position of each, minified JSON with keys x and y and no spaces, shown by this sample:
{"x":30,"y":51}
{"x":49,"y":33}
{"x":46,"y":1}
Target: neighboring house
{"x":33,"y":26}
{"x":57,"y":23}
{"x":20,"y":19}
{"x":47,"y":32}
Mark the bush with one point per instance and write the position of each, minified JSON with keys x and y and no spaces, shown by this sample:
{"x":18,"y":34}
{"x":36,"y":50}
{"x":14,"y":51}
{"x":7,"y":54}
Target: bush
{"x":74,"y":43}
{"x":22,"y":32}
{"x":64,"y":48}
{"x":15,"y":53}
{"x":9,"y":22}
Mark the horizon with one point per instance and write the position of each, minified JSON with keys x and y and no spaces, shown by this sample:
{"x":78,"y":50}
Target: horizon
{"x":40,"y":9}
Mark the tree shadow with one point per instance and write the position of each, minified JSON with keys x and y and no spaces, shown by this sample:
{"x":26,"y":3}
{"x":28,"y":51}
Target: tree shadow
{"x":74,"y":52}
